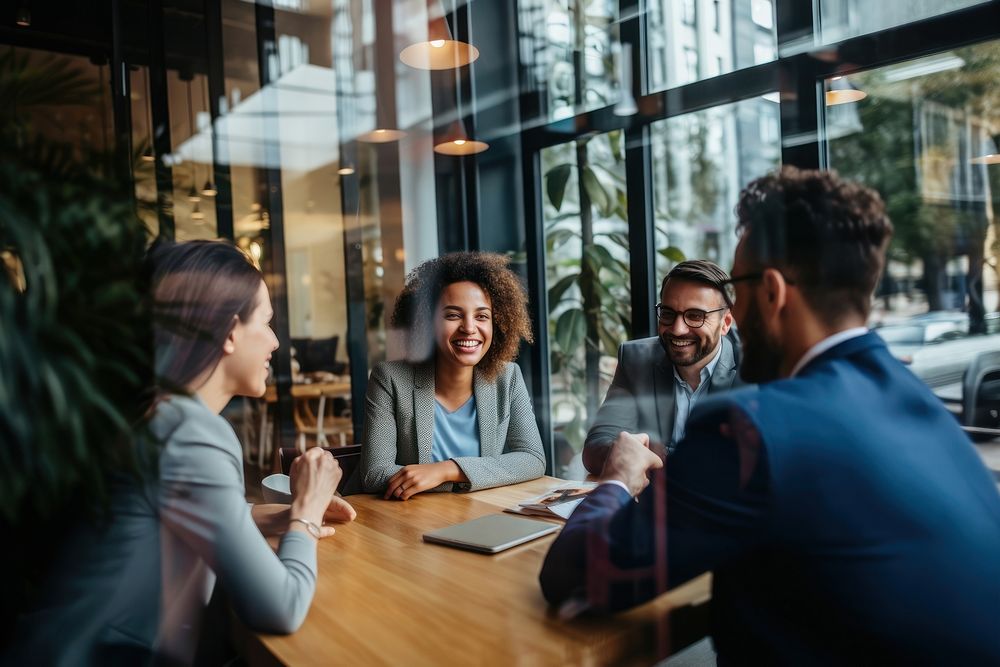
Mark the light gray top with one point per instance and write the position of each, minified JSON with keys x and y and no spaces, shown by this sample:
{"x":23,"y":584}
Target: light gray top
{"x":399,"y":428}
{"x":141,"y":582}
{"x":685,"y":398}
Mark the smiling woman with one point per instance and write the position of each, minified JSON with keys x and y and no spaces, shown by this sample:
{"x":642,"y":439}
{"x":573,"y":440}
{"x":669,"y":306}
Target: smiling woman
{"x":455,"y":415}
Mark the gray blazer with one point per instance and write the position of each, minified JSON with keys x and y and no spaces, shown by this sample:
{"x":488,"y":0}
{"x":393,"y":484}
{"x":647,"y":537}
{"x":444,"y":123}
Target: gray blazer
{"x":138,"y":585}
{"x":399,"y":428}
{"x":641,"y":396}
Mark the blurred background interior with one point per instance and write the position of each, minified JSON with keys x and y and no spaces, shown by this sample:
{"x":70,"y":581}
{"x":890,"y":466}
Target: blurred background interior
{"x":597,"y":142}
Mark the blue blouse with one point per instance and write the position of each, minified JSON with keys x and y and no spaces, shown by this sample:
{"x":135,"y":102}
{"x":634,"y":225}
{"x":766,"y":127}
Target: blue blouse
{"x":455,"y":433}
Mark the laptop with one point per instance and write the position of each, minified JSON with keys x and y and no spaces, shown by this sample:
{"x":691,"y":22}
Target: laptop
{"x":491,"y":534}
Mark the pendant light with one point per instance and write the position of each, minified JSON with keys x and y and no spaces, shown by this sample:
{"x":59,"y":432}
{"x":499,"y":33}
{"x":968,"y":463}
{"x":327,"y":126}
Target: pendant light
{"x":193,"y":196}
{"x":990,"y":155}
{"x":209,"y":189}
{"x":626,"y":105}
{"x":381,"y":135}
{"x":842,"y":91}
{"x":439,"y":51}
{"x":147,"y":154}
{"x":456,"y":142}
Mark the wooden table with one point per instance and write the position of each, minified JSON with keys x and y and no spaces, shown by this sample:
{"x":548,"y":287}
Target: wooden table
{"x":386,"y":597}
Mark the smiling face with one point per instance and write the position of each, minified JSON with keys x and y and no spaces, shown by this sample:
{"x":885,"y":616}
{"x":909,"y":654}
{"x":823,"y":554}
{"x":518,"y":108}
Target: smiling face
{"x":687,"y":346}
{"x":248,"y":349}
{"x":463,"y":325}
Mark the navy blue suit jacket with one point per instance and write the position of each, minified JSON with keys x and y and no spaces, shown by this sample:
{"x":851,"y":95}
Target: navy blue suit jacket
{"x":843,"y":511}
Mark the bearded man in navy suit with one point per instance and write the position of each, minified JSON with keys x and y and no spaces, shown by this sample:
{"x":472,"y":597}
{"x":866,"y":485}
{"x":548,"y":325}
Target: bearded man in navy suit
{"x":844,"y":513}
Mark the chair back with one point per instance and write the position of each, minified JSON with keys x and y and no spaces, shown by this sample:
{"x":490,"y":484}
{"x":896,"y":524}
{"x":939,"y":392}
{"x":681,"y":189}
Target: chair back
{"x":348,"y":457}
{"x":981,"y":391}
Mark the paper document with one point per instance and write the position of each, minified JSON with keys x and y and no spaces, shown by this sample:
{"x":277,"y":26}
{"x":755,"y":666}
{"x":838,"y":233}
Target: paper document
{"x":558,"y":502}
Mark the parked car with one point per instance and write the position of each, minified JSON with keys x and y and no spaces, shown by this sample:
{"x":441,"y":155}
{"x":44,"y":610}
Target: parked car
{"x":937,"y":346}
{"x":906,"y":338}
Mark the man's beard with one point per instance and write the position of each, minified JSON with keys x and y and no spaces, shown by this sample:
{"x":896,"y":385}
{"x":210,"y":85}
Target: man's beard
{"x":761,"y":355}
{"x":699,"y":349}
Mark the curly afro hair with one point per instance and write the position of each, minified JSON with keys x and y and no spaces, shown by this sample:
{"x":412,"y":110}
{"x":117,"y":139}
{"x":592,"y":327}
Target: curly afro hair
{"x":415,"y":305}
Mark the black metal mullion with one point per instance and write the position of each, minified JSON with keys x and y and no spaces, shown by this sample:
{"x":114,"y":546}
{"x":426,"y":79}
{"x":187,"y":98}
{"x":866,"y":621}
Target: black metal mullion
{"x":216,"y":93}
{"x":638,"y":181}
{"x":704,"y":94}
{"x":469,"y":164}
{"x":160,"y":117}
{"x":121,"y":105}
{"x":539,"y":376}
{"x":274,"y":261}
{"x":354,"y":277}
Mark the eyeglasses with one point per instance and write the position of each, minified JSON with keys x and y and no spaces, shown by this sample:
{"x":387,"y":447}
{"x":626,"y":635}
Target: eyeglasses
{"x":729,"y":286}
{"x":693,"y":317}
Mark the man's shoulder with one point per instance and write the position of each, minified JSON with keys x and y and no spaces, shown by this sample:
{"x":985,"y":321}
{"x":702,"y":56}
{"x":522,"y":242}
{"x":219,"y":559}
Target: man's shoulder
{"x":642,"y":349}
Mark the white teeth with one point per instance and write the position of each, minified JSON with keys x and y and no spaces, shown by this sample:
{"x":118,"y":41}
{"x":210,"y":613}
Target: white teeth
{"x":681,"y":343}
{"x":467,"y":343}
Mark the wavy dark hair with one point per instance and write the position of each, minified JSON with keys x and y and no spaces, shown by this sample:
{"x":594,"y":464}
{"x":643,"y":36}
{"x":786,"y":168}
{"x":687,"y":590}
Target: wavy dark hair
{"x":201,"y":289}
{"x":415,"y":305}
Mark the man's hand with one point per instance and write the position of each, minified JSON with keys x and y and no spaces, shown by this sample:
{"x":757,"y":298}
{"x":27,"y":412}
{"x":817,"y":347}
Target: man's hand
{"x":413,"y":479}
{"x":630,"y":461}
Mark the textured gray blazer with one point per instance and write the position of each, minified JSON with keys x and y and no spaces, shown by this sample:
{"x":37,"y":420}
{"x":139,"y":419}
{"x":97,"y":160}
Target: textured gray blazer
{"x":641,"y":396}
{"x":138,"y":585}
{"x":399,"y":428}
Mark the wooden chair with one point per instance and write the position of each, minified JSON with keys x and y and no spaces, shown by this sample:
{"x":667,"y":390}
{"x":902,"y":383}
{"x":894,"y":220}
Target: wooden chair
{"x":348,"y":457}
{"x":319,"y":424}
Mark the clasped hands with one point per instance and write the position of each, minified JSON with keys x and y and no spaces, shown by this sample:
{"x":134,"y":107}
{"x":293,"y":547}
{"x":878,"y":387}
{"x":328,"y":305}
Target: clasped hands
{"x":630,"y":460}
{"x":413,"y":479}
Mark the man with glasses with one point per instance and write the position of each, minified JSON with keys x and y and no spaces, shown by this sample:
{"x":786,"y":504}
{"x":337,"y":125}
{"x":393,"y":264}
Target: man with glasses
{"x":844,"y":514}
{"x":659,"y":380}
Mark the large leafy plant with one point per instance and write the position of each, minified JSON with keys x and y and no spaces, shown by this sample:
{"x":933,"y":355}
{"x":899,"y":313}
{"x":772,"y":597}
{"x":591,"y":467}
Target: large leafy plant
{"x":589,"y":294}
{"x":75,"y":360}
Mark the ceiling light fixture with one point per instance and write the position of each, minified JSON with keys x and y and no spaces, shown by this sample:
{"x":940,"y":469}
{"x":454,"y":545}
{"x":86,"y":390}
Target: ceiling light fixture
{"x":456,"y":142}
{"x":841,"y":91}
{"x":23,"y":17}
{"x":439,"y":51}
{"x":382,"y":135}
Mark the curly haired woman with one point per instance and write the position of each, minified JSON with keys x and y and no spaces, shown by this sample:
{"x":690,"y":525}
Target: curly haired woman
{"x":455,"y":416}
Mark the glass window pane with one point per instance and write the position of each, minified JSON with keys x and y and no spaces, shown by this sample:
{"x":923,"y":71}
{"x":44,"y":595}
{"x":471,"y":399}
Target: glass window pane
{"x":587,"y":278}
{"x":700,"y":162}
{"x":570,"y":50}
{"x":840,"y":19}
{"x":690,"y":40}
{"x":924,"y":134}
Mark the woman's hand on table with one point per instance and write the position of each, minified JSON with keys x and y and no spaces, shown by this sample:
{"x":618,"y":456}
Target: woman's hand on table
{"x":414,"y":479}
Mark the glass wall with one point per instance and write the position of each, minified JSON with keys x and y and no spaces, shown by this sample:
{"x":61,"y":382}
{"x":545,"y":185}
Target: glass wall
{"x":701,"y":161}
{"x":691,"y":40}
{"x":923,"y":133}
{"x":587,"y":280}
{"x":296,"y":130}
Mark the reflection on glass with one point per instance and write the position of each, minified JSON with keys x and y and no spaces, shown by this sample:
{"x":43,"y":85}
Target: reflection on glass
{"x":567,"y":47}
{"x":690,"y":40}
{"x":921,"y":137}
{"x":143,"y":158}
{"x":700,"y":162}
{"x":587,"y":278}
{"x":191,"y":157}
{"x":840,"y":19}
